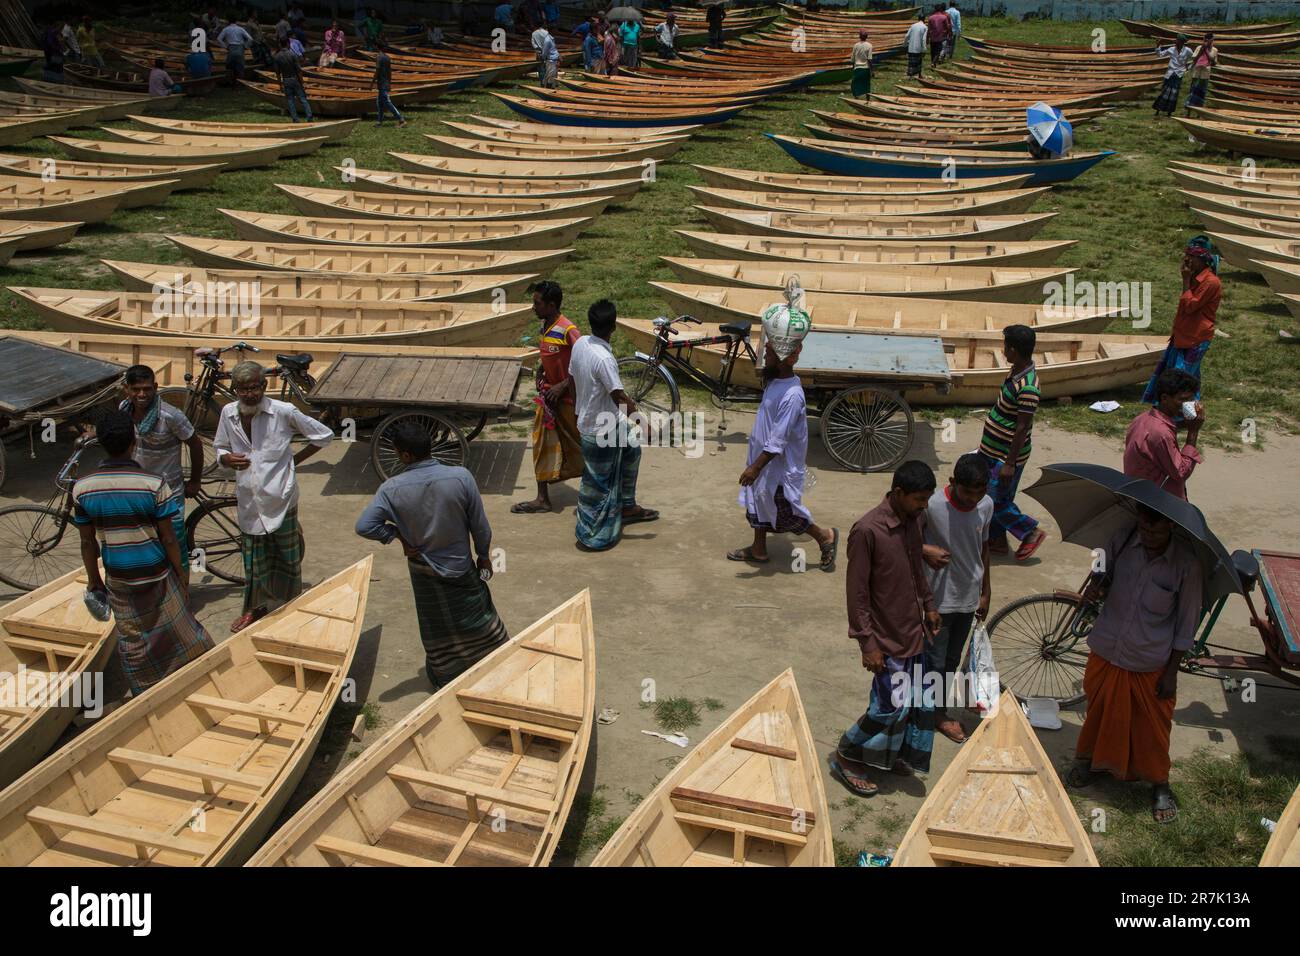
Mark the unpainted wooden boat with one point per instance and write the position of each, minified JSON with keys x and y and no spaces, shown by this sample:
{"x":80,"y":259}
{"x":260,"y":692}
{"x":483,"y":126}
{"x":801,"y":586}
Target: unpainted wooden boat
{"x":68,"y":170}
{"x":533,"y":234}
{"x":1292,"y":303}
{"x":194,"y":771}
{"x":1281,"y":276}
{"x":483,"y":773}
{"x":84,"y":94}
{"x":1282,"y":142}
{"x":999,"y":803}
{"x":332,"y":287}
{"x":349,"y":204}
{"x":592,"y":135}
{"x":418,"y":184}
{"x":1284,"y":211}
{"x":1243,"y":250}
{"x":607,"y":116}
{"x":110,"y":151}
{"x":37,"y":235}
{"x":1269,"y":173}
{"x":16,"y":131}
{"x":87,"y":114}
{"x":536,"y":134}
{"x":1284,"y":845}
{"x":723,"y":177}
{"x":749,"y":794}
{"x":38,"y":200}
{"x":362,"y":260}
{"x":1068,"y":363}
{"x":864,"y":251}
{"x":792,"y":224}
{"x":515,"y":169}
{"x":980,"y":283}
{"x":553,"y":153}
{"x":51,"y":651}
{"x":1246,"y":225}
{"x":339,"y":102}
{"x":223,"y":313}
{"x":1255,"y":187}
{"x":334,"y":131}
{"x":896,"y":313}
{"x":165,"y":142}
{"x":999,"y":202}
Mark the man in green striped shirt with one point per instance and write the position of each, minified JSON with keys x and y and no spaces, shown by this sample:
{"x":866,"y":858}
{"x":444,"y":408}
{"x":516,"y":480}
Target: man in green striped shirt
{"x":1006,"y":444}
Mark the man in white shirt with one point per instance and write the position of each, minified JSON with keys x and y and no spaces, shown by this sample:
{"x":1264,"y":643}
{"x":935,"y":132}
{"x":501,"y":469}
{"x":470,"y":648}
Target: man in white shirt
{"x":548,"y":57}
{"x":1180,"y":61}
{"x":611,"y":450}
{"x":255,"y":439}
{"x":861,"y":60}
{"x":918,"y":36}
{"x":666,"y":36}
{"x":235,"y":39}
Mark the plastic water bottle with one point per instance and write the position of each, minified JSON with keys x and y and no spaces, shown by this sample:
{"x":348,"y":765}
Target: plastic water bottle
{"x":97,"y":604}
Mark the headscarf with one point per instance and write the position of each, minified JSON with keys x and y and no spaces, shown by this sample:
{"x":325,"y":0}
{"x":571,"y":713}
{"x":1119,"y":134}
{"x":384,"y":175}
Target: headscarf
{"x":786,"y":324}
{"x":1181,"y":38}
{"x":1200,"y":247}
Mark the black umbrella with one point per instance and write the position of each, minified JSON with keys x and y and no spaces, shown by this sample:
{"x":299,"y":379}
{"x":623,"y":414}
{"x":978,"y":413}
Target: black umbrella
{"x":1092,"y":503}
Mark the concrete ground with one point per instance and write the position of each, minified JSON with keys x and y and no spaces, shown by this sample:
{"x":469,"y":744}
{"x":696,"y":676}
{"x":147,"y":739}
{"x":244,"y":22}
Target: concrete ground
{"x":668,"y":607}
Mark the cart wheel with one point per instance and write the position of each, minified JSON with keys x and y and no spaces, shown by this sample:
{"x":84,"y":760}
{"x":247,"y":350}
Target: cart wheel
{"x":867,"y":428}
{"x":449,"y":445}
{"x":469,"y":423}
{"x":649,"y":386}
{"x":1035,"y":650}
{"x":203,"y":415}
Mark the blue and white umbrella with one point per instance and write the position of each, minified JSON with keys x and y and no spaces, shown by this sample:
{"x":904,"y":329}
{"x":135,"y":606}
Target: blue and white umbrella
{"x":1050,"y":129}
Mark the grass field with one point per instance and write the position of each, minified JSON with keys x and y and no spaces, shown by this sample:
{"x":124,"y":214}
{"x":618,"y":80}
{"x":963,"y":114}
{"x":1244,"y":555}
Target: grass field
{"x":1126,"y":216}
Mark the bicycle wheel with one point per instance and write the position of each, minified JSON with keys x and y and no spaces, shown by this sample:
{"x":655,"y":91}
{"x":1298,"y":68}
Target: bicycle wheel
{"x":203,"y":414}
{"x":867,"y":428}
{"x":1034,"y":650}
{"x":449,"y":445}
{"x":37,"y":545}
{"x":213,"y":530}
{"x":649,"y":385}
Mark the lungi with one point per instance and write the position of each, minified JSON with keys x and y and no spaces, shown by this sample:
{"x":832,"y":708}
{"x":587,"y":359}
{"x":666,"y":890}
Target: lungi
{"x":1167,"y":101}
{"x":1126,"y":732}
{"x":549,"y":74}
{"x":557,"y":450}
{"x":1189,"y":360}
{"x":1200,"y":87}
{"x":914,"y":64}
{"x":273,"y":564}
{"x":631,"y":56}
{"x":459,"y":625}
{"x":598,"y":66}
{"x":861,"y":85}
{"x":899,"y":722}
{"x":787,"y":520}
{"x":156,"y":631}
{"x":608,"y":486}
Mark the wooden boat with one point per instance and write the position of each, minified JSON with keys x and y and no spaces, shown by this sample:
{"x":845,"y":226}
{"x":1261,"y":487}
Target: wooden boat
{"x":348,"y":204}
{"x":387,"y":181}
{"x":1292,"y":303}
{"x":535,"y":134}
{"x":548,"y":153}
{"x":1068,"y":363}
{"x":980,"y":283}
{"x":887,"y":161}
{"x":791,"y":224}
{"x":36,"y":200}
{"x":722,"y":177}
{"x":1257,"y":187}
{"x":1145,"y":28}
{"x":1285,"y":211}
{"x":86,"y":114}
{"x":1284,"y":845}
{"x":165,"y":142}
{"x":506,"y":740}
{"x":997,"y":142}
{"x":711,"y":303}
{"x":109,"y":151}
{"x":605,"y":116}
{"x":83,"y":94}
{"x":1266,"y":173}
{"x":535,"y":234}
{"x":50,"y":651}
{"x":339,"y":102}
{"x":515,"y":169}
{"x":1001,"y":202}
{"x":362,"y":260}
{"x":1243,"y":250}
{"x":749,"y":794}
{"x":334,"y":131}
{"x":220,"y":313}
{"x":15,"y":131}
{"x":228,"y":736}
{"x":965,"y":252}
{"x":173,"y":359}
{"x":592,"y":135}
{"x":1246,"y":225}
{"x":333,"y":287}
{"x":130,"y":81}
{"x":37,"y":235}
{"x":999,"y":803}
{"x":1282,"y":142}
{"x":1282,"y":277}
{"x":66,"y":170}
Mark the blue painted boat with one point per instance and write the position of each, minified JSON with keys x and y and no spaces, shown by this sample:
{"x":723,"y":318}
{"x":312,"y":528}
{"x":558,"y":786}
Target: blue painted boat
{"x":569,"y":114}
{"x":909,"y":163}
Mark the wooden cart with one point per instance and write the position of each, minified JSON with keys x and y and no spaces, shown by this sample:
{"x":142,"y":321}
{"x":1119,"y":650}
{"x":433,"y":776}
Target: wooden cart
{"x":46,"y":382}
{"x":451,"y":397}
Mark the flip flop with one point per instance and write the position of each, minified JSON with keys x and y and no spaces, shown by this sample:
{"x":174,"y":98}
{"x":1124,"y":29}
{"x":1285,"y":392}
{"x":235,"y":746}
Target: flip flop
{"x":830,"y":551}
{"x":1026,"y":550}
{"x":528,"y":508}
{"x":1162,"y":798}
{"x":864,"y":789}
{"x":747,"y":554}
{"x":645,"y":514}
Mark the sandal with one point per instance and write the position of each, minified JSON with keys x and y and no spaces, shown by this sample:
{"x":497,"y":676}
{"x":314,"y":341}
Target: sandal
{"x":1081,"y":775}
{"x":528,"y":508}
{"x":641,"y":514}
{"x":247,"y":618}
{"x":747,"y":554}
{"x":855,"y":783}
{"x":830,"y":550}
{"x":1027,"y":548}
{"x":1162,"y":801}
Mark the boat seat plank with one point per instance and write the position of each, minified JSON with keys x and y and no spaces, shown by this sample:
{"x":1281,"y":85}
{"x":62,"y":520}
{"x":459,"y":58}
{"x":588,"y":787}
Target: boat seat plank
{"x":206,"y":772}
{"x":45,"y":647}
{"x":373,"y":855}
{"x":521,"y":726}
{"x":257,"y":711}
{"x":941,"y":836}
{"x":684,"y":795}
{"x":754,"y":746}
{"x":269,"y":658}
{"x":946,"y":854}
{"x":788,"y":837}
{"x":486,"y":792}
{"x":139,"y":836}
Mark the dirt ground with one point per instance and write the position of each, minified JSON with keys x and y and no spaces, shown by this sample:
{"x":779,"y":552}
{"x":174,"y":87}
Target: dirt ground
{"x":670,"y":609}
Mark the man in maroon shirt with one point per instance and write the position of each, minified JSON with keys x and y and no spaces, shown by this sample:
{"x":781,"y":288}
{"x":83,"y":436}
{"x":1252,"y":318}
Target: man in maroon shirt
{"x":1151,"y":446}
{"x":940,"y":28}
{"x":893,"y":617}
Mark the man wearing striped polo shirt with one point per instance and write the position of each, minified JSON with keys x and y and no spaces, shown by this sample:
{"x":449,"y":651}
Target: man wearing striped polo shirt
{"x":1006,"y":444}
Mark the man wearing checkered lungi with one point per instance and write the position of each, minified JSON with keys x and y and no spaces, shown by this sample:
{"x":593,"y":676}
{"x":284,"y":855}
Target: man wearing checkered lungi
{"x":255,"y":439}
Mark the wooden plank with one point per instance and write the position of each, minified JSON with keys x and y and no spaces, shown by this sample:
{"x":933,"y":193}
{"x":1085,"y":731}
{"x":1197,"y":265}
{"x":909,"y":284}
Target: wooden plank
{"x":527,"y":727}
{"x":117,"y":831}
{"x":185,"y":767}
{"x":373,"y":855}
{"x":739,"y":803}
{"x":788,"y":837}
{"x":469,"y":787}
{"x":759,"y":748}
{"x":244,"y":710}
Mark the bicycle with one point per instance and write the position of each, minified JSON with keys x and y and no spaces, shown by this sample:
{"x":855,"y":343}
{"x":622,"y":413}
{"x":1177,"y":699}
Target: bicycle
{"x":865,"y":427}
{"x":38,"y":543}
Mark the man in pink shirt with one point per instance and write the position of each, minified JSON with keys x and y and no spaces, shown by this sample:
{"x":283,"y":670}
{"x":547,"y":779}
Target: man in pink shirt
{"x":940,"y":28}
{"x":1151,"y":446}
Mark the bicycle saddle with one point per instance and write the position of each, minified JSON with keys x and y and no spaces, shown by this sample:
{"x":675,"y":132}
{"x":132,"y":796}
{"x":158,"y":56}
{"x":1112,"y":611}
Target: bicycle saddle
{"x":299,"y":363}
{"x":1247,"y":569}
{"x":738,"y":329}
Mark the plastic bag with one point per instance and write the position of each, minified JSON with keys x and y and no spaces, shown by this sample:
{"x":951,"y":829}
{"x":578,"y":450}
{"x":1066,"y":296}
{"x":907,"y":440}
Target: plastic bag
{"x":982,"y":683}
